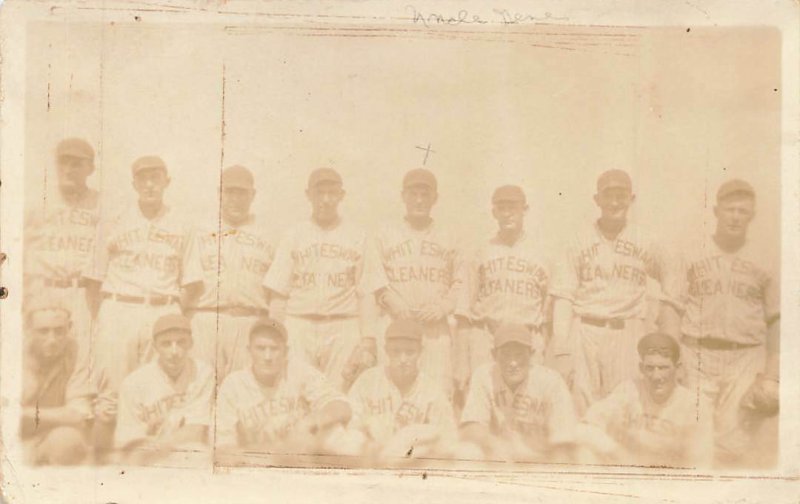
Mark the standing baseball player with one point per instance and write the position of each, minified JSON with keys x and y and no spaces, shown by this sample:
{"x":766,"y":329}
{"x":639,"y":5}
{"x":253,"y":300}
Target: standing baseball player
{"x":424,"y":272}
{"x":165,"y":405}
{"x":508,"y":283}
{"x":516,"y":409}
{"x":142,"y":260}
{"x":600,"y":295}
{"x":731,"y":329}
{"x":59,"y":236}
{"x":234,"y":257}
{"x":323,"y":283}
{"x":400,"y":409}
{"x":651,"y":420}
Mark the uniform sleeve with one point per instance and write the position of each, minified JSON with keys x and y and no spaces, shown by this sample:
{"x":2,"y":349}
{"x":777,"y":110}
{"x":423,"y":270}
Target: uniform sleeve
{"x":279,"y":276}
{"x":79,"y":393}
{"x":317,"y":390}
{"x":442,"y":414}
{"x":356,"y":398}
{"x":478,"y":405}
{"x":227,"y":415}
{"x":458,"y":281}
{"x":97,"y":265}
{"x":191,"y":270}
{"x":467,"y":295}
{"x":197,"y":410}
{"x":666,"y":268}
{"x":565,"y":274}
{"x":772,"y":297}
{"x":561,"y":423}
{"x":371,"y":275}
{"x":129,"y":426}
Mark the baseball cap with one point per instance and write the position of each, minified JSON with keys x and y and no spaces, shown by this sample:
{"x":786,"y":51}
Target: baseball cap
{"x":75,"y":147}
{"x":512,"y":333}
{"x":734,"y":186}
{"x":419,"y":176}
{"x":404,"y":329}
{"x":322,"y":175}
{"x":508,"y":193}
{"x":269,"y":324}
{"x":146,"y":163}
{"x":659,"y":343}
{"x":614,"y":178}
{"x":171,"y":322}
{"x":237,"y":176}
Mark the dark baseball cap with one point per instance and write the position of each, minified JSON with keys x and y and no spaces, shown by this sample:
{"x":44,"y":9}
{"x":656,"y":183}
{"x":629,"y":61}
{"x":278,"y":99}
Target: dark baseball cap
{"x":75,"y":147}
{"x":404,"y":329}
{"x":735,"y":186}
{"x":147,"y":163}
{"x":659,"y":343}
{"x":324,"y":175}
{"x":172,"y":322}
{"x":508,"y":193}
{"x":237,"y":176}
{"x":419,"y":176}
{"x":271,"y":325}
{"x":614,"y":179}
{"x":512,"y":333}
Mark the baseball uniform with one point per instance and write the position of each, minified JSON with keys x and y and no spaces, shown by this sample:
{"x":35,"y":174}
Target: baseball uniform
{"x":323,"y":273}
{"x":606,"y":282}
{"x":152,"y":406}
{"x":507,"y":284}
{"x":539,"y":413}
{"x":233,"y":261}
{"x":142,"y":264}
{"x":728,"y":298}
{"x":252,"y":416}
{"x":676,"y":433}
{"x":59,"y":243}
{"x":423,"y":267}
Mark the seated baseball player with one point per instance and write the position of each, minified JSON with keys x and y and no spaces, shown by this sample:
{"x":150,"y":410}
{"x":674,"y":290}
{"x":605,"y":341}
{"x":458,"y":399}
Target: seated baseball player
{"x":278,"y":405}
{"x":57,"y":396}
{"x":402,"y":411}
{"x":165,"y":405}
{"x":516,"y":409}
{"x":651,"y":420}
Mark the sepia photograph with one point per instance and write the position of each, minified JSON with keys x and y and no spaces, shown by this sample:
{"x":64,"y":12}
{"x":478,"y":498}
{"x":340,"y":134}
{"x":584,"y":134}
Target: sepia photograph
{"x":446,"y":240}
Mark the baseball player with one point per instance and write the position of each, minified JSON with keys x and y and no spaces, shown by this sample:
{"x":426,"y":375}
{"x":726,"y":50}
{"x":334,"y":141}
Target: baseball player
{"x":142,"y":260}
{"x":59,"y":236}
{"x":731,"y":329}
{"x":234,"y":257}
{"x":400,"y":409}
{"x":323,"y":283}
{"x":57,"y":395}
{"x":424,"y":272}
{"x":280,"y":404}
{"x":600,"y":295}
{"x":508,"y":284}
{"x":516,"y":409}
{"x":165,"y":405}
{"x":651,"y":420}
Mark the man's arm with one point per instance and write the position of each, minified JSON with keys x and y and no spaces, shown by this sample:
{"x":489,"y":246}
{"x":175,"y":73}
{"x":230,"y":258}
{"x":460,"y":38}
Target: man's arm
{"x":561,"y":347}
{"x":277,"y":305}
{"x":34,"y":418}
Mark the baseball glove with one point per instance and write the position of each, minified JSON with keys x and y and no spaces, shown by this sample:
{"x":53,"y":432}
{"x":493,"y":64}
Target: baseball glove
{"x":762,"y":397}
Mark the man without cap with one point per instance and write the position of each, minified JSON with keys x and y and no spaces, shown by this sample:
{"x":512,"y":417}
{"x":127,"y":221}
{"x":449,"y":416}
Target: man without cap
{"x":515,"y":409}
{"x":651,"y":420}
{"x":59,"y":235}
{"x":731,"y":331}
{"x":399,"y":407}
{"x":424,"y":272}
{"x":234,"y":256}
{"x":280,"y":404}
{"x":507,"y":284}
{"x":56,"y":390}
{"x":600,"y":295}
{"x":323,"y":283}
{"x":142,"y":260}
{"x":165,"y":405}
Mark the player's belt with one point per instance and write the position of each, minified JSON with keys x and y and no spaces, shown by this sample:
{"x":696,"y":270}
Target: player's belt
{"x":234,"y":311}
{"x":717,"y":343}
{"x":611,"y":323}
{"x":491,"y":325}
{"x":149,"y":300}
{"x":317,"y":317}
{"x":65,"y":283}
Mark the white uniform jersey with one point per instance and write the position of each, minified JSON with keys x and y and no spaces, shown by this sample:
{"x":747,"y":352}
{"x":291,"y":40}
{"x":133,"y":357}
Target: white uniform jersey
{"x":728,"y":296}
{"x":323,"y":271}
{"x":151,"y":405}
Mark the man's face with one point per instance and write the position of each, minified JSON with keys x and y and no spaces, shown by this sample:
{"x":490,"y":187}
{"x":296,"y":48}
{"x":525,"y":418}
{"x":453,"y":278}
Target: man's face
{"x":614,"y":203}
{"x":173,"y":347}
{"x":734,"y":215}
{"x":510,"y":215}
{"x":268,"y":353}
{"x":325,"y":198}
{"x":49,"y":330}
{"x":419,"y":200}
{"x":150,"y":183}
{"x":659,"y":373}
{"x":73,"y":171}
{"x":514,"y":360}
{"x":403,"y":355}
{"x":236,"y":203}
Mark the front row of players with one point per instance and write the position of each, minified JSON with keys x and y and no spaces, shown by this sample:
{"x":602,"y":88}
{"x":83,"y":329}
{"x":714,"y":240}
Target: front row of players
{"x":515,"y":409}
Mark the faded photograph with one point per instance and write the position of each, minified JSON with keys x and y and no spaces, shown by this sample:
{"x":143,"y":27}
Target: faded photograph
{"x":280,"y":245}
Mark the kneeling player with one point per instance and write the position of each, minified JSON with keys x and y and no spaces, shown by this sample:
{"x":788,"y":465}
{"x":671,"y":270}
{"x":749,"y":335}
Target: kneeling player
{"x":517,"y":410}
{"x":651,"y":420}
{"x":279,"y":405}
{"x":402,"y":411}
{"x":165,"y":405}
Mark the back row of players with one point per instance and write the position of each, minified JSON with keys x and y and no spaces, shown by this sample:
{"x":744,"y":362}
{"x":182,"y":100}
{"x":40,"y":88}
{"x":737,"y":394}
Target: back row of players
{"x":164,"y":311}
